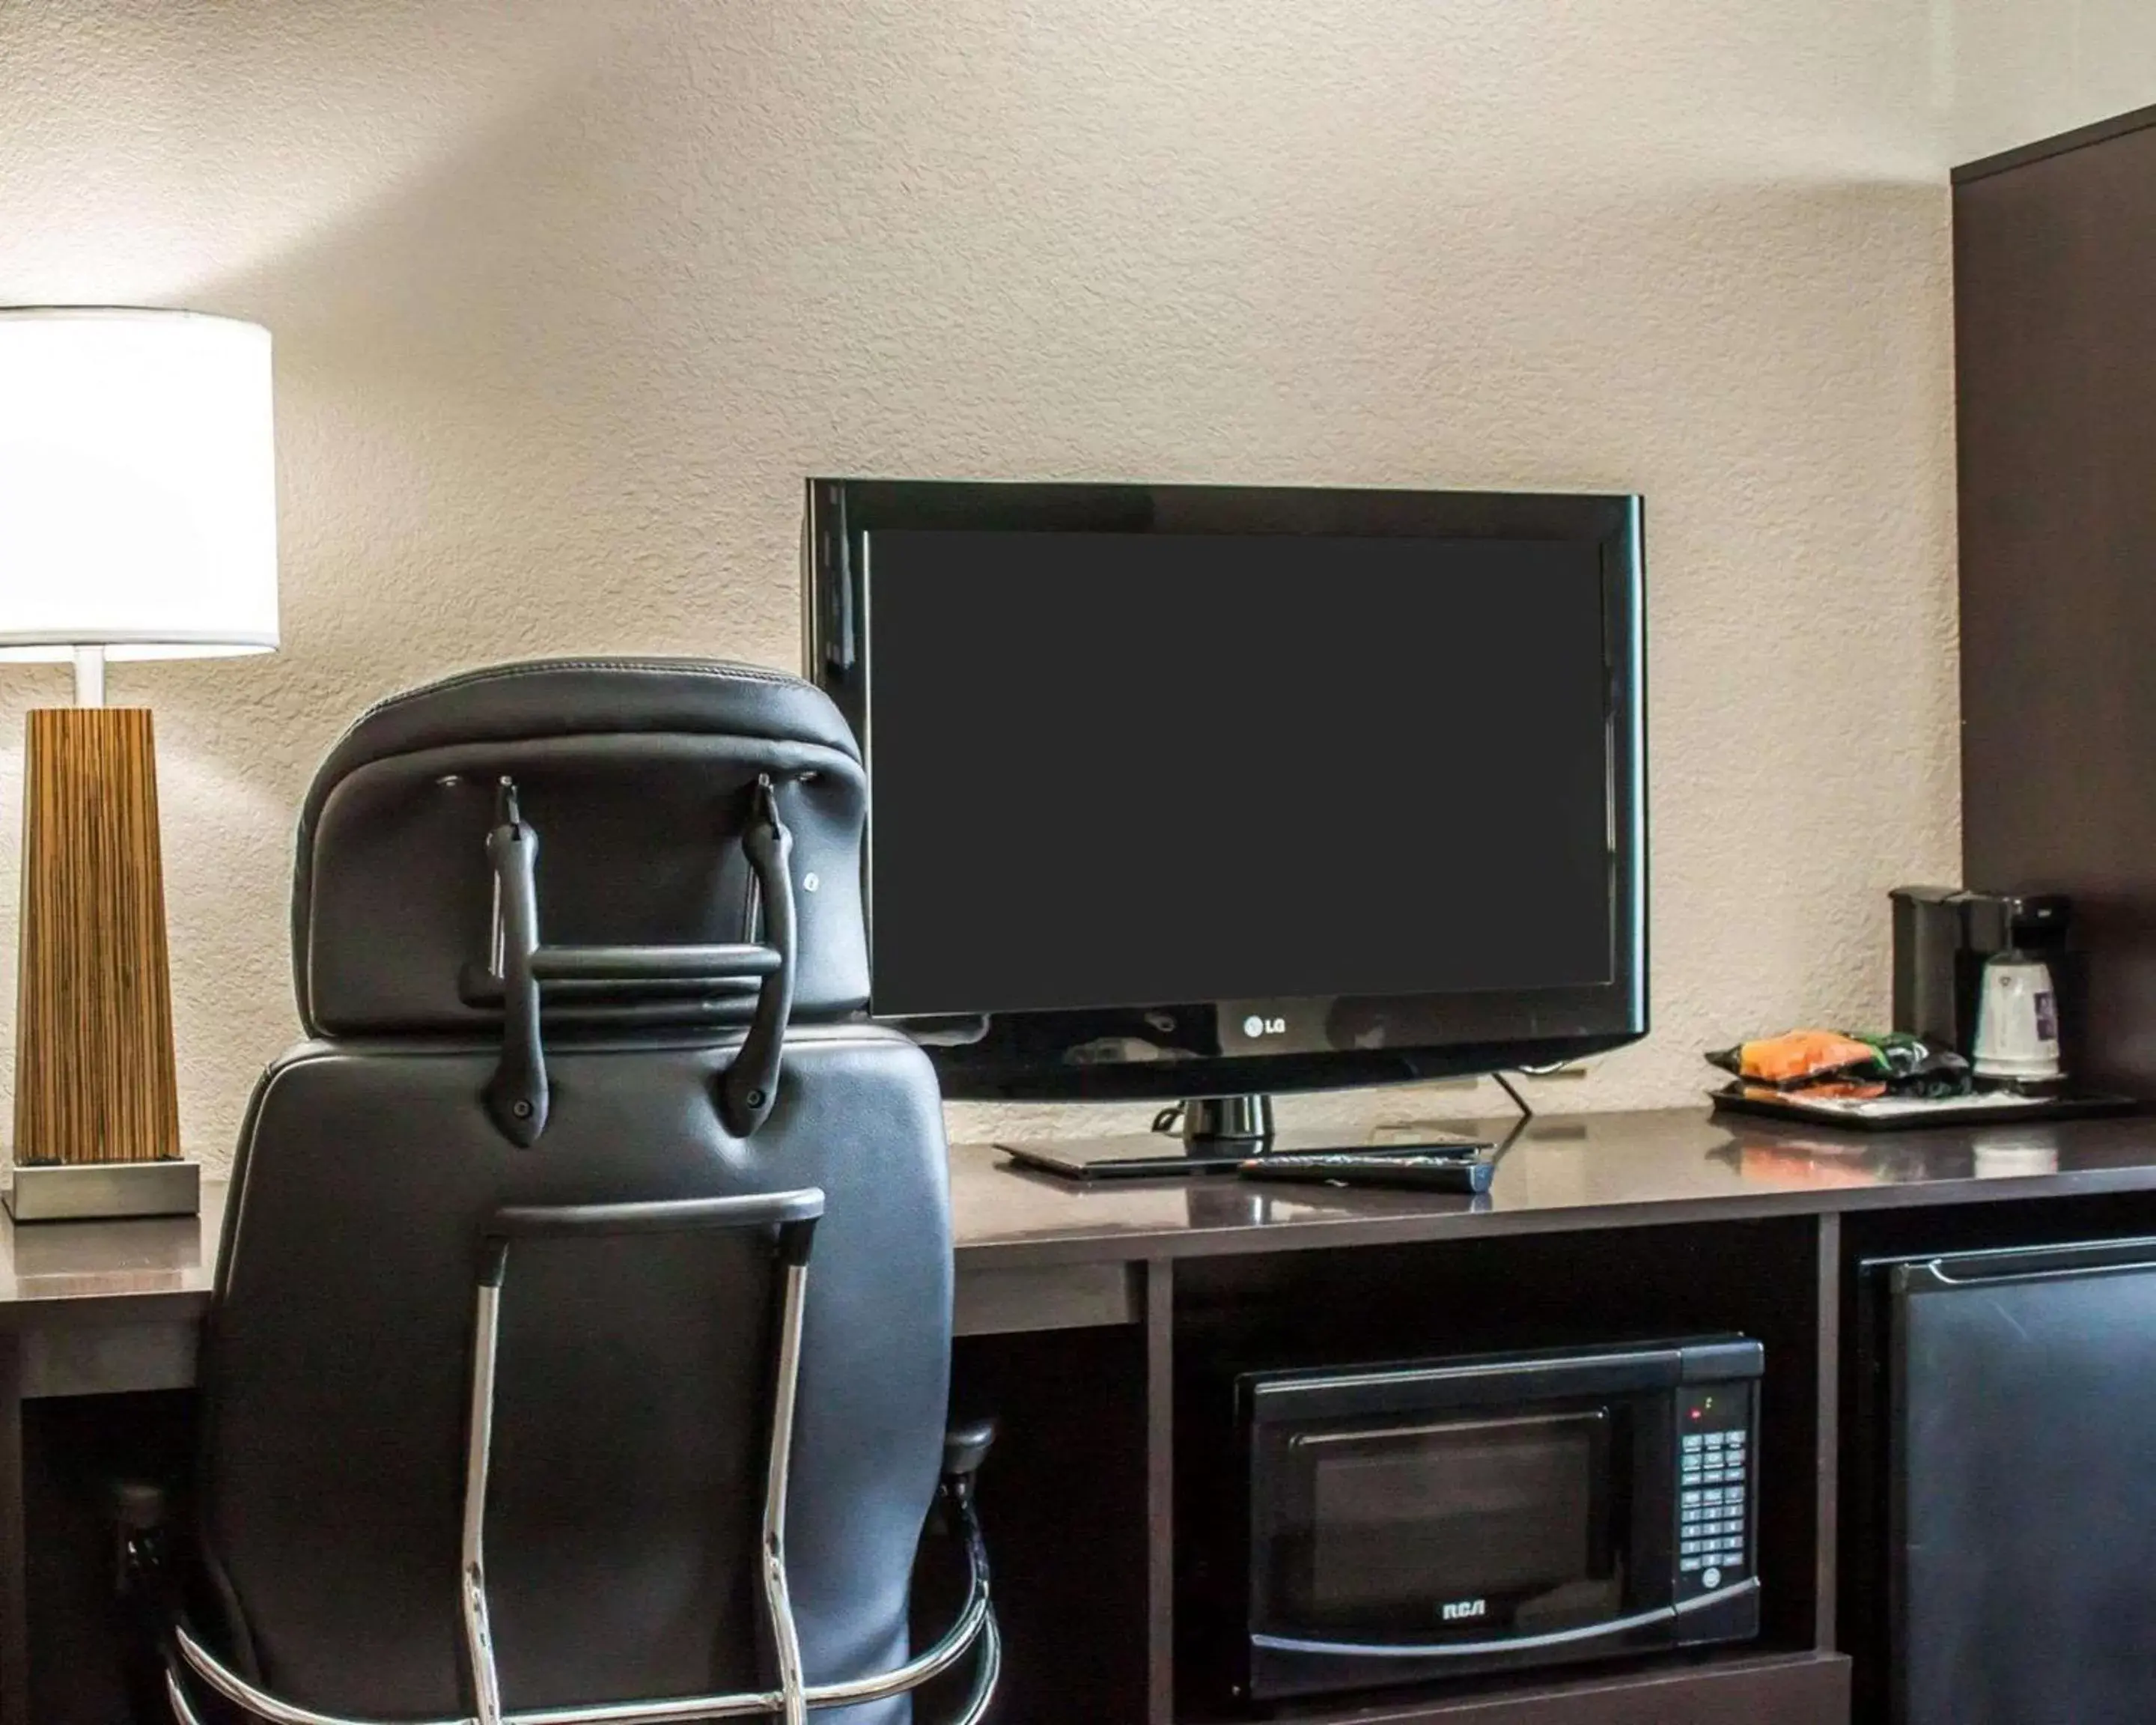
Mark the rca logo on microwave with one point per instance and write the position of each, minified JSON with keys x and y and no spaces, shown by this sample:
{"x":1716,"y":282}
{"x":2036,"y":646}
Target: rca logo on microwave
{"x":1460,"y":1610}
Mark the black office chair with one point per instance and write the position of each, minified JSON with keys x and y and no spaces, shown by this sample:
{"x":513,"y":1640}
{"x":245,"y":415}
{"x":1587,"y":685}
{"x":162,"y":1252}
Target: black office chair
{"x":521,"y":1399}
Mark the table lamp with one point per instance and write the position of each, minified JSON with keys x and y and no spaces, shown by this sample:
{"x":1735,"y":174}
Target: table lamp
{"x":137,"y":521}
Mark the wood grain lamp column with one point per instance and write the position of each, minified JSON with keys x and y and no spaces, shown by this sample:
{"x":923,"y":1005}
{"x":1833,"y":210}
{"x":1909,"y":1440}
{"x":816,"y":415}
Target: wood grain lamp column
{"x":137,"y":521}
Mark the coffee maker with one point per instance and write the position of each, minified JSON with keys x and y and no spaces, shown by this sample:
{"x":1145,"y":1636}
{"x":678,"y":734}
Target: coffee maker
{"x":1983,"y":973}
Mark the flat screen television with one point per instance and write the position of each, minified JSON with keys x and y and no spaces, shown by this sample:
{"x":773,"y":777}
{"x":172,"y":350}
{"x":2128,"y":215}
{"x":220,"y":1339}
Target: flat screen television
{"x":1181,"y":792}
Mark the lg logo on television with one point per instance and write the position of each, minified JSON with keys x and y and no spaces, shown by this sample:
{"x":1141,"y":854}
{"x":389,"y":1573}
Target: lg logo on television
{"x":1257,"y":1024}
{"x":1461,"y":1610}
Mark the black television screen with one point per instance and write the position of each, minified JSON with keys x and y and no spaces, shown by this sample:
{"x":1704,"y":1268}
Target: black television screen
{"x":1370,"y":702}
{"x":1185,"y":790}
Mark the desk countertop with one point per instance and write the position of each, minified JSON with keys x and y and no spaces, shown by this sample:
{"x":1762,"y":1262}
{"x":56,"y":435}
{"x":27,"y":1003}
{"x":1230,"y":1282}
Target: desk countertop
{"x":1559,"y":1172}
{"x":1577,"y":1172}
{"x":153,"y":1267}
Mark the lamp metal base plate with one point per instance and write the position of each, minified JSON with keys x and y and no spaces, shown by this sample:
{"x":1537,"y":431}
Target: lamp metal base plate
{"x":90,"y":1191}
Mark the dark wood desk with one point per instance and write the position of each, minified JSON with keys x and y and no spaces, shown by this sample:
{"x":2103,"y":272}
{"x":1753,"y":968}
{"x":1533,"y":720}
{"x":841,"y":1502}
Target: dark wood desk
{"x":1561,"y":1172}
{"x":101,"y":1308}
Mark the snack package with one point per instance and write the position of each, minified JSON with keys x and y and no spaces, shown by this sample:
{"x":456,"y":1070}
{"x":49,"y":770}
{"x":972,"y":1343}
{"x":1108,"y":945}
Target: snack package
{"x":1917,"y":1069}
{"x":1836,"y":1090}
{"x":1799,"y":1057}
{"x":1838,"y":1063}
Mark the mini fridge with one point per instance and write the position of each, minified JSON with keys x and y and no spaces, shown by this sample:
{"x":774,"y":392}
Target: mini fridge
{"x":2009,"y":1516}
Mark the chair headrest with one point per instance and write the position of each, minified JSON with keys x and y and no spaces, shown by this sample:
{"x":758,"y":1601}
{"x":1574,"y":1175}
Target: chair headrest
{"x":639,"y":778}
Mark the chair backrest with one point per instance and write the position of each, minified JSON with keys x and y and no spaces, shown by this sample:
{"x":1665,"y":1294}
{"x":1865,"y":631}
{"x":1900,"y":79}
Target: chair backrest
{"x":637,"y":800}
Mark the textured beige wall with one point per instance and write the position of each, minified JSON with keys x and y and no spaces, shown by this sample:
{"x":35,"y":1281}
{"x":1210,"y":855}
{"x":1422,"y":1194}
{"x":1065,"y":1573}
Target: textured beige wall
{"x":569,"y":296}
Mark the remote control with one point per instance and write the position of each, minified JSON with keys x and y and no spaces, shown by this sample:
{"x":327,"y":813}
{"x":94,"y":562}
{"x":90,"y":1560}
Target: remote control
{"x":1432,"y":1172}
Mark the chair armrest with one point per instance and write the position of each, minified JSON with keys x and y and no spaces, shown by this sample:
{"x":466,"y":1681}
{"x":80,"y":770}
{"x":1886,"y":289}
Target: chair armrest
{"x":966,"y":1447}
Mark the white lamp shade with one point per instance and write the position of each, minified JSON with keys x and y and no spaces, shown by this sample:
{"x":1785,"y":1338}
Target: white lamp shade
{"x":138,"y":509}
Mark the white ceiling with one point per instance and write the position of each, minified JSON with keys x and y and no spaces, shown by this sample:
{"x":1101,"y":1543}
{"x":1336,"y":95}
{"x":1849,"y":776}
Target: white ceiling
{"x":2009,"y":72}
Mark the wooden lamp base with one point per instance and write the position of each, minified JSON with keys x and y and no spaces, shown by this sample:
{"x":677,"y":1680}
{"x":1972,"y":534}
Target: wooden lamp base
{"x":97,"y":1116}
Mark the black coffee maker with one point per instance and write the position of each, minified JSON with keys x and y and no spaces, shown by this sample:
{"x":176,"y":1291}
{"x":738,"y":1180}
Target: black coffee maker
{"x":1943,"y":938}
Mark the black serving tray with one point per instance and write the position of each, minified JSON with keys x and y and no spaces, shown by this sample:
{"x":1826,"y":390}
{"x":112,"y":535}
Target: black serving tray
{"x":1978,"y":1109}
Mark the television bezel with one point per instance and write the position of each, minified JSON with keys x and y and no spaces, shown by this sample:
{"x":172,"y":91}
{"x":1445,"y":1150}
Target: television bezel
{"x":1155,"y":1052}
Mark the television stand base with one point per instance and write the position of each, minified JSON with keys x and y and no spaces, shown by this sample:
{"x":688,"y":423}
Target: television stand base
{"x":1219,"y":1133}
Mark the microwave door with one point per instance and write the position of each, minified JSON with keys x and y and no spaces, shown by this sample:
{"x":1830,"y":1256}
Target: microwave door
{"x":1449,"y":1536}
{"x":1410,"y":1521}
{"x":1506,"y":1521}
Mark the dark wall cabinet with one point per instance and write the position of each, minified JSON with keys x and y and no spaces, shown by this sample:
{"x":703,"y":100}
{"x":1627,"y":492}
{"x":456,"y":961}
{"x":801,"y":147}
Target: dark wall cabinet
{"x":2055,"y":284}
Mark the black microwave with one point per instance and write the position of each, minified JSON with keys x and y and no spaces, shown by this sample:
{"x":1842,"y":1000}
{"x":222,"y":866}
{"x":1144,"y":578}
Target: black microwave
{"x":1414,"y":1522}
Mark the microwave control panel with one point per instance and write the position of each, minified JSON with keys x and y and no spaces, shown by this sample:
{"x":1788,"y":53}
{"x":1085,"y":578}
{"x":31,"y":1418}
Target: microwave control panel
{"x":1715,"y":1498}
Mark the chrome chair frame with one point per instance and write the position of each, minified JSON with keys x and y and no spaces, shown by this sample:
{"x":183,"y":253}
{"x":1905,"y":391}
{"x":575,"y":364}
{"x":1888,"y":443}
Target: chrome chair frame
{"x":792,"y":1216}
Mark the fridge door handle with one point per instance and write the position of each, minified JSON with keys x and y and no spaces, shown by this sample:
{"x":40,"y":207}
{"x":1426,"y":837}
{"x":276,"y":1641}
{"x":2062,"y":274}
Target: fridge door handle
{"x":1964,"y":1269}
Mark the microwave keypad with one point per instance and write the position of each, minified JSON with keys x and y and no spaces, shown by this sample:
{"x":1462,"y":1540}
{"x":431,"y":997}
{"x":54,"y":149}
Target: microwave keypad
{"x":1713,"y":1493}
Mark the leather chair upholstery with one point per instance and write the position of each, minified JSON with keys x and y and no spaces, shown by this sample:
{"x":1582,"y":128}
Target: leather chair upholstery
{"x":622,"y":1533}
